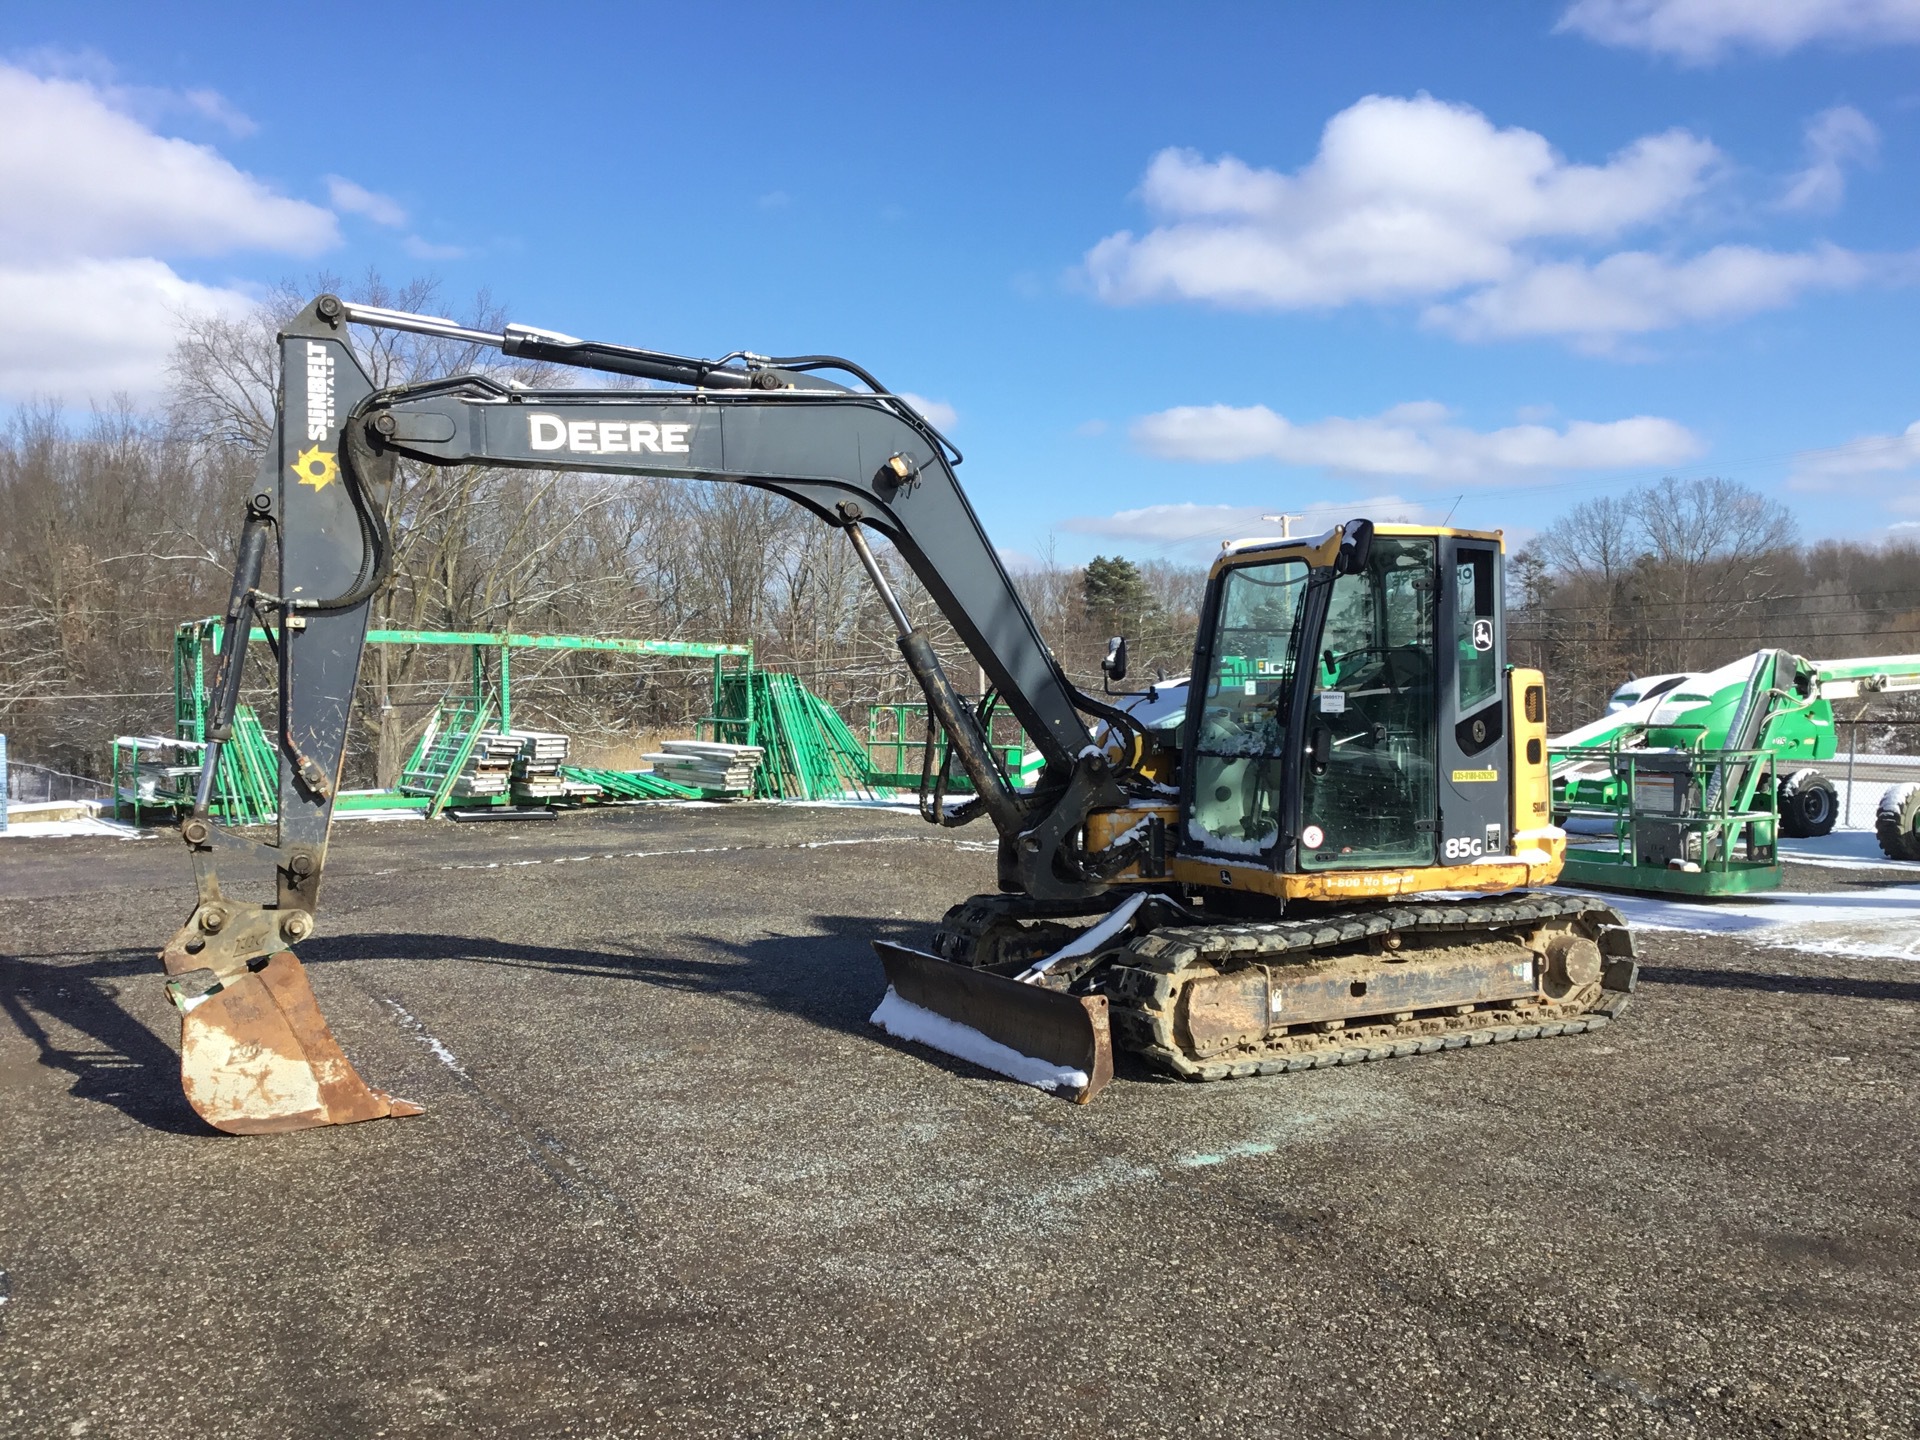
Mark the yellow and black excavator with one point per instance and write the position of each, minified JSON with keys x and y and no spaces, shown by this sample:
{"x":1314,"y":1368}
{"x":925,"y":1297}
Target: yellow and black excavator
{"x":1332,"y":852}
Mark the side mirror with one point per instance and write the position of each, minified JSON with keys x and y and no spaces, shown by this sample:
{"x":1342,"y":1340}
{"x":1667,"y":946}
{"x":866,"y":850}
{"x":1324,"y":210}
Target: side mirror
{"x":1356,"y":547}
{"x":1115,"y":665}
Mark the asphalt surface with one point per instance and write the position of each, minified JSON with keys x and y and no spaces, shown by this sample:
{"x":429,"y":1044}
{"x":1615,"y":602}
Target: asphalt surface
{"x":670,"y":1182}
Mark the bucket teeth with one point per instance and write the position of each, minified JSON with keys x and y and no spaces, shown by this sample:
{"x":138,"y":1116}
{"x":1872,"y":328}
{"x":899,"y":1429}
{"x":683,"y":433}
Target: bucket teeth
{"x":256,"y":1055}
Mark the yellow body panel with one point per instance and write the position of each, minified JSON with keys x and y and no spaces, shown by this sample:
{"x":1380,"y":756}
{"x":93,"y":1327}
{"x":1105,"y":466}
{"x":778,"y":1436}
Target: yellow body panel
{"x":1106,"y":827}
{"x":1532,"y":780}
{"x":1537,"y":862}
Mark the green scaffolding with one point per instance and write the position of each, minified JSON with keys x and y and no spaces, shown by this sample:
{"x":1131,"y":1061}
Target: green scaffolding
{"x":896,"y":741}
{"x":246,"y":789}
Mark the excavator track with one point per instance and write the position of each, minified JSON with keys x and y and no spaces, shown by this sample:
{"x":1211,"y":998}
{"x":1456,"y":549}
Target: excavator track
{"x":1217,"y":1002}
{"x":1214,"y":1002}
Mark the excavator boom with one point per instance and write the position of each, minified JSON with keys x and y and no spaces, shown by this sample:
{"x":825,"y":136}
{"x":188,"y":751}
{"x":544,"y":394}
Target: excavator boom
{"x":255,"y":1052}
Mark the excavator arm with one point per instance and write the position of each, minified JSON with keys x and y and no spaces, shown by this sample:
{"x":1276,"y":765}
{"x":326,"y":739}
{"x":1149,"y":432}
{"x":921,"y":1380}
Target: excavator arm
{"x":256,"y":1054}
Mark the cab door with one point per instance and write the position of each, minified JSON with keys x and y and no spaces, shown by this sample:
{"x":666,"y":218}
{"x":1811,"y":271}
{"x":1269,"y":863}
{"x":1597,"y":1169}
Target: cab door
{"x":1475,"y":782}
{"x":1367,"y":795}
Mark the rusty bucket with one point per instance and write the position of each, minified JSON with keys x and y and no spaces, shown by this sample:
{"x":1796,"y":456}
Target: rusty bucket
{"x":256,"y":1055}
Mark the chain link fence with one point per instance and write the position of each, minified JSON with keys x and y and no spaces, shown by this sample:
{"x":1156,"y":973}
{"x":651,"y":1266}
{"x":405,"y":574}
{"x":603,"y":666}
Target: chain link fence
{"x":24,"y":783}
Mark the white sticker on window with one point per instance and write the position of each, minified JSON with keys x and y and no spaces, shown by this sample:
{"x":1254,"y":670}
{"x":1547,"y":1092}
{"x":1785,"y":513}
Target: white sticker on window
{"x":1313,"y":837}
{"x":1251,"y":688}
{"x":1333,"y":702}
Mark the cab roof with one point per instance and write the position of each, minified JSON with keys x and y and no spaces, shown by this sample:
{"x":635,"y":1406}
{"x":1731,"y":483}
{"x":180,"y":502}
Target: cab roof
{"x":1319,"y":549}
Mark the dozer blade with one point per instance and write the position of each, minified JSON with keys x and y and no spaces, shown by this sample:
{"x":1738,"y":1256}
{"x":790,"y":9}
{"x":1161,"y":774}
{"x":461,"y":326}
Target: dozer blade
{"x":256,"y":1055}
{"x":1043,"y":1037}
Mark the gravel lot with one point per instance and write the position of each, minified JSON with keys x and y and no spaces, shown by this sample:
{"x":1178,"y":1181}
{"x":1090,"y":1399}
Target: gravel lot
{"x":670,"y":1182}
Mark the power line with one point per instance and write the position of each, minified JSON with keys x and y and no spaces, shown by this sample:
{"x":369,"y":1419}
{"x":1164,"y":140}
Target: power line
{"x":1630,"y":635}
{"x":1755,"y":600}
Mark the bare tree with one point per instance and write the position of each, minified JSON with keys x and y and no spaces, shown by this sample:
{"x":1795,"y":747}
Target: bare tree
{"x":1687,"y":576}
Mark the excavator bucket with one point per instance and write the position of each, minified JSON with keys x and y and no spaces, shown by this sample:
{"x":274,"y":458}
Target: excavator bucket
{"x":256,"y":1054}
{"x":1044,"y":1037}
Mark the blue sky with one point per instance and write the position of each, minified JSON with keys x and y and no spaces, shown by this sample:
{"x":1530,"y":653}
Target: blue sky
{"x":1166,"y":269}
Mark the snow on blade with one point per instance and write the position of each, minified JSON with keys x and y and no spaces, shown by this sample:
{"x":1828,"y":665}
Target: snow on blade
{"x":904,"y":1020}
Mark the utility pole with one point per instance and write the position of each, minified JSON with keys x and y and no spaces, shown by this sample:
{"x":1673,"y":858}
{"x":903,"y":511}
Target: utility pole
{"x":1286,"y":523}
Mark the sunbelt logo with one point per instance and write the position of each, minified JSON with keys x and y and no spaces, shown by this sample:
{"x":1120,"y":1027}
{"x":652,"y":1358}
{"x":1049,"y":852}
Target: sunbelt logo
{"x":319,"y":390}
{"x":606,"y":437}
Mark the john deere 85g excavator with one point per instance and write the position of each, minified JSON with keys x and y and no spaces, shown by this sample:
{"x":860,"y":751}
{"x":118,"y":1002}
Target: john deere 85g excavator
{"x":1332,"y":856}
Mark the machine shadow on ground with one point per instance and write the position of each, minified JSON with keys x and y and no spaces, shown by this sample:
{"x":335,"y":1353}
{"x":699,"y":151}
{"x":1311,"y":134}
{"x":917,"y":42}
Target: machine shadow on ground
{"x":127,"y":1066}
{"x":831,"y":980}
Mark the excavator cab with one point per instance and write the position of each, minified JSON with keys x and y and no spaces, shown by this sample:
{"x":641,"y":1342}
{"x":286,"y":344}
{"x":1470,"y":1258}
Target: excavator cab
{"x":1356,"y":760}
{"x":1353,"y":692}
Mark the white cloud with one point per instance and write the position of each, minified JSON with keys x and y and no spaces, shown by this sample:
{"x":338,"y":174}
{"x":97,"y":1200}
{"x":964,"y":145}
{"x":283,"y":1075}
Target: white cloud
{"x":938,"y":413}
{"x":95,"y":203}
{"x":96,"y":327}
{"x":1421,"y":200}
{"x":1197,"y":530}
{"x":1405,"y":199}
{"x":421,"y":249}
{"x":1869,"y":455}
{"x":149,"y":104}
{"x":1835,"y":139}
{"x":212,"y":105}
{"x":1019,"y":562}
{"x":81,"y":178}
{"x":1634,"y":292}
{"x":1413,"y":441}
{"x":358,"y":200}
{"x":1701,"y":31}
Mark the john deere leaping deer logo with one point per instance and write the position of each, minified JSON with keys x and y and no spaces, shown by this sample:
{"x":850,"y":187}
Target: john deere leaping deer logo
{"x":316,"y":467}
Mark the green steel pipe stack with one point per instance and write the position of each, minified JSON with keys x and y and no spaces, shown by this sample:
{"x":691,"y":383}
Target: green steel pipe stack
{"x":247,"y":786}
{"x":811,"y":753}
{"x":629,"y":784}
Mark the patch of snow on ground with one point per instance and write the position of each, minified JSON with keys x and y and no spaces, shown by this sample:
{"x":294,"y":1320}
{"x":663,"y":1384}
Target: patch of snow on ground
{"x":69,"y":829}
{"x":904,"y":1020}
{"x":1882,"y":923}
{"x":1843,"y":850}
{"x":420,"y":1033}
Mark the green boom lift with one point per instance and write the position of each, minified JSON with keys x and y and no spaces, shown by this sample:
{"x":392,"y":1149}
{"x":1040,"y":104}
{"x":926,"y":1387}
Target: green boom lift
{"x":1771,"y":701}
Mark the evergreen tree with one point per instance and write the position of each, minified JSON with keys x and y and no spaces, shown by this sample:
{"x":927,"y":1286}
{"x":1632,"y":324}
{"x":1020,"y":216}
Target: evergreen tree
{"x":1118,"y":599}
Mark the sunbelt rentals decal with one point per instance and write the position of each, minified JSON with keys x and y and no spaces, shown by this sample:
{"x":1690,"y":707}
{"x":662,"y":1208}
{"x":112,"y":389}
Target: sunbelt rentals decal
{"x":314,"y":466}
